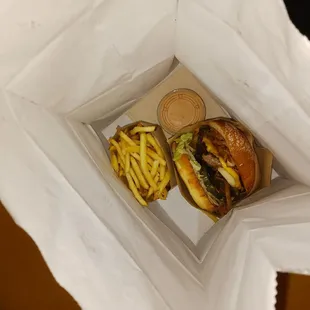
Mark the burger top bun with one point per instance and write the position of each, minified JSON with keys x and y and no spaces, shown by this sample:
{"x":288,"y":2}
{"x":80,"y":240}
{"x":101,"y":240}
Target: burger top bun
{"x":239,"y":141}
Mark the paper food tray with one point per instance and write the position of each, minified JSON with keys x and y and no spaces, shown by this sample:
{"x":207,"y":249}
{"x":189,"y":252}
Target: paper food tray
{"x":189,"y":223}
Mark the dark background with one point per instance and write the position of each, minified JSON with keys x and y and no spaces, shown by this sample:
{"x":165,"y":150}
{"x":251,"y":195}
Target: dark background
{"x":298,"y":11}
{"x":26,"y":282}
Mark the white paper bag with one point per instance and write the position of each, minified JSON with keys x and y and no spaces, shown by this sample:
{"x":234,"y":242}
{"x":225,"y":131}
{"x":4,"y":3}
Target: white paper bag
{"x":68,"y":63}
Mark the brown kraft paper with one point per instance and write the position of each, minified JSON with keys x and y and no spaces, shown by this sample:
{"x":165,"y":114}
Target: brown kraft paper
{"x":264,"y":158}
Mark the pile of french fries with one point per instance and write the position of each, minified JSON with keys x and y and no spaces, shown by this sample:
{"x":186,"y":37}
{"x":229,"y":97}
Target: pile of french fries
{"x":139,"y":161}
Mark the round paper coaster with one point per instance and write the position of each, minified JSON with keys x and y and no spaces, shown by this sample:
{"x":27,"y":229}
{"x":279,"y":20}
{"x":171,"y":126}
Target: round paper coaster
{"x":179,"y":108}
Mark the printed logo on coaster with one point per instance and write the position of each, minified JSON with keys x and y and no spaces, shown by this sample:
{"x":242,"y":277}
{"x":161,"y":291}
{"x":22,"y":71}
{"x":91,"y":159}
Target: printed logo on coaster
{"x":179,"y":108}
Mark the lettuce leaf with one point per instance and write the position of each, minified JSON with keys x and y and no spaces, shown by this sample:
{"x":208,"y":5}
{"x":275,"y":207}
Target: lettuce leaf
{"x":183,"y":142}
{"x":195,"y":164}
{"x":184,"y":148}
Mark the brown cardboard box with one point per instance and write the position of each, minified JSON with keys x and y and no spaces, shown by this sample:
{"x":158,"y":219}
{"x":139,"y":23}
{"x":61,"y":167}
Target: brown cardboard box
{"x":192,"y":229}
{"x":179,"y":78}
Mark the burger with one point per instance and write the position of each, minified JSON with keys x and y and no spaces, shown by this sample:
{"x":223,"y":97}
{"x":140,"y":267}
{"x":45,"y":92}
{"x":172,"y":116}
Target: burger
{"x":217,"y":163}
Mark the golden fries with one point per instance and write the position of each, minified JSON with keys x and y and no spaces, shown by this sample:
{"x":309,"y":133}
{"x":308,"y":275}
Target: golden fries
{"x":164,"y":182}
{"x":139,"y":161}
{"x":154,"y":168}
{"x":114,"y":162}
{"x":121,"y":163}
{"x":121,"y":166}
{"x":133,"y":149}
{"x":142,"y":129}
{"x":135,"y":190}
{"x":151,"y":190}
{"x":163,"y":195}
{"x":123,"y":146}
{"x":148,"y":158}
{"x":152,"y":154}
{"x":139,"y":174}
{"x":127,"y":139}
{"x":155,"y":145}
{"x":134,"y":177}
{"x":118,"y":149}
{"x":162,"y":171}
{"x":155,"y":156}
{"x":127,"y":162}
{"x":143,"y":162}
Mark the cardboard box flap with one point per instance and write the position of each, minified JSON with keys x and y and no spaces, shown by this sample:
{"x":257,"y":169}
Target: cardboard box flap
{"x":181,"y":77}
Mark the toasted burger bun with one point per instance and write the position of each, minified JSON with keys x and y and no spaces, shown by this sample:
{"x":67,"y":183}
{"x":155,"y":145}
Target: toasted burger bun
{"x":192,"y":183}
{"x":240,"y":146}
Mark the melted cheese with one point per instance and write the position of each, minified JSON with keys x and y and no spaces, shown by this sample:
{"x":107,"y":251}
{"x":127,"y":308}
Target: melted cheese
{"x":232,"y":172}
{"x":212,"y":149}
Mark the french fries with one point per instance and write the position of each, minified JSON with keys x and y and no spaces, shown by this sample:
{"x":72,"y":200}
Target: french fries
{"x":133,"y":149}
{"x":164,"y":194}
{"x":154,"y":168}
{"x":155,"y":156}
{"x":164,"y":182}
{"x":134,"y":190}
{"x":149,"y":152}
{"x":151,"y":190}
{"x":114,"y":162}
{"x":137,"y":158}
{"x":127,"y":162}
{"x":148,"y":159}
{"x":138,"y":172}
{"x":134,"y":177}
{"x":118,"y":149}
{"x":154,"y":144}
{"x":162,"y":171}
{"x":142,"y":129}
{"x":127,"y":139}
{"x":143,"y":162}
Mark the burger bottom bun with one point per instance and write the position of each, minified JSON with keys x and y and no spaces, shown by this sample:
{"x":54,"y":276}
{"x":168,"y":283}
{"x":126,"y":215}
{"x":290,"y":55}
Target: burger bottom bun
{"x":192,"y":183}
